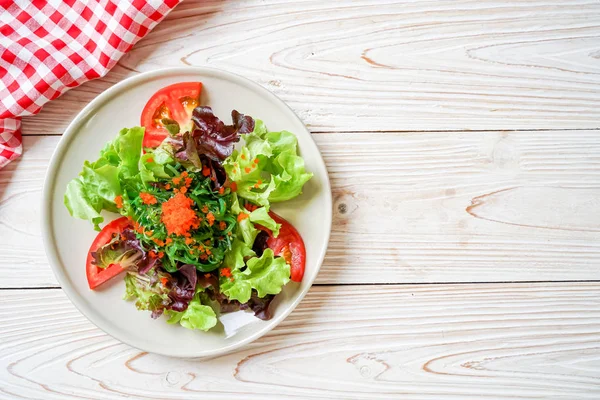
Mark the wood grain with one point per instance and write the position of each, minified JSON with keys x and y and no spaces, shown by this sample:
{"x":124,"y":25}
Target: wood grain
{"x":385,"y":66}
{"x":408,"y":207}
{"x":362,"y":342}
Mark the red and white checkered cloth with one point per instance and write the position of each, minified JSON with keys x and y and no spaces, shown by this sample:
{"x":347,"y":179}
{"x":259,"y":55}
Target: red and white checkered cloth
{"x":50,"y":46}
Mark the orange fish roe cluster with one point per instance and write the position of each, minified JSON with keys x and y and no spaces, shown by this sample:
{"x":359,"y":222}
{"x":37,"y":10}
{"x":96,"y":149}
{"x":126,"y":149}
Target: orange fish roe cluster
{"x":233,"y":186}
{"x":119,"y":201}
{"x":178,"y":216}
{"x":147,"y":198}
{"x":226,"y":272}
{"x":205,"y":170}
{"x":221,"y":190}
{"x":222,"y":226}
{"x":242,"y":216}
{"x":210,"y":218}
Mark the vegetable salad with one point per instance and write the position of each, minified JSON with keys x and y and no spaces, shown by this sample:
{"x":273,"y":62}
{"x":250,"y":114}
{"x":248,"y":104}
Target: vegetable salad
{"x":196,"y":237}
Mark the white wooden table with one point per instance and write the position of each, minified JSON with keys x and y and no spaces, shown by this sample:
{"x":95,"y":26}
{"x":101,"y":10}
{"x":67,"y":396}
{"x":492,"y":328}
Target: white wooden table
{"x":463,"y":145}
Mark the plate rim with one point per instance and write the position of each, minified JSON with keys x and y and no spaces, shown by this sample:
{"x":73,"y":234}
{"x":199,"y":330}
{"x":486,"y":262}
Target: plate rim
{"x":46,"y":221}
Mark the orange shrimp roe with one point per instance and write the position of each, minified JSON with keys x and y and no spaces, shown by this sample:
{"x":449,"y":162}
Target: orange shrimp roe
{"x":178,"y":216}
{"x":210,"y":218}
{"x":242,"y":216}
{"x":119,"y":201}
{"x":147,"y":198}
{"x":225,"y":272}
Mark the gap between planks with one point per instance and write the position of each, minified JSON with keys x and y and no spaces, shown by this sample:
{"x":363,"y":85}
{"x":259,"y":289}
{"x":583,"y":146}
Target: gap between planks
{"x":381,"y":284}
{"x":403,"y":131}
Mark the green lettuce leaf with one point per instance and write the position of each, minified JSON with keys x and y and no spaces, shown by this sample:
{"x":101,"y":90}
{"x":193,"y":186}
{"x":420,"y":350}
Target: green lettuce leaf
{"x":267,"y":168}
{"x":247,"y":174}
{"x":196,"y":316}
{"x":101,"y":181}
{"x":148,"y":293}
{"x":128,"y":145}
{"x":247,"y":231}
{"x":289,"y":175}
{"x":234,"y":258}
{"x":262,"y":217}
{"x":267,"y":275}
{"x":151,"y":168}
{"x":93,"y":191}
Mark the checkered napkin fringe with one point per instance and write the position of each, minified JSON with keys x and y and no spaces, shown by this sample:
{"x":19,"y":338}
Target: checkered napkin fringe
{"x":48,"y":47}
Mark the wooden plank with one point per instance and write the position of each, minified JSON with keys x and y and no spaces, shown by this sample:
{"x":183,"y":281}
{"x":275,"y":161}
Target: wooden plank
{"x":416,"y":342}
{"x":387,"y":66}
{"x":435,"y":207}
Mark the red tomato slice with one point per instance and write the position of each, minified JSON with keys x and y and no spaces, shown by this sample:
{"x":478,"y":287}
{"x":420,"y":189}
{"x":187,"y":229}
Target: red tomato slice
{"x":175,"y":102}
{"x":289,"y":245}
{"x":97,"y":276}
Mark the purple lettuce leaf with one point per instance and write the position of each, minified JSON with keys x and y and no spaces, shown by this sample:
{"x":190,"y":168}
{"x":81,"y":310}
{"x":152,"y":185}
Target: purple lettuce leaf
{"x":127,"y":251}
{"x":207,"y":281}
{"x":183,"y":287}
{"x":189,"y":152}
{"x":260,"y":306}
{"x":215,"y":139}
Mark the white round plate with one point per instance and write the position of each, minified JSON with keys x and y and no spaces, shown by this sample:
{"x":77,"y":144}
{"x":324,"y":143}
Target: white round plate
{"x":67,"y":239}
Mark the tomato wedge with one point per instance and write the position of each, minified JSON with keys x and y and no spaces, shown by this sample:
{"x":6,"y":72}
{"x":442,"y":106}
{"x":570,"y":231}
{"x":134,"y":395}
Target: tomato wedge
{"x":175,"y":102}
{"x":289,"y":245}
{"x":97,"y":276}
